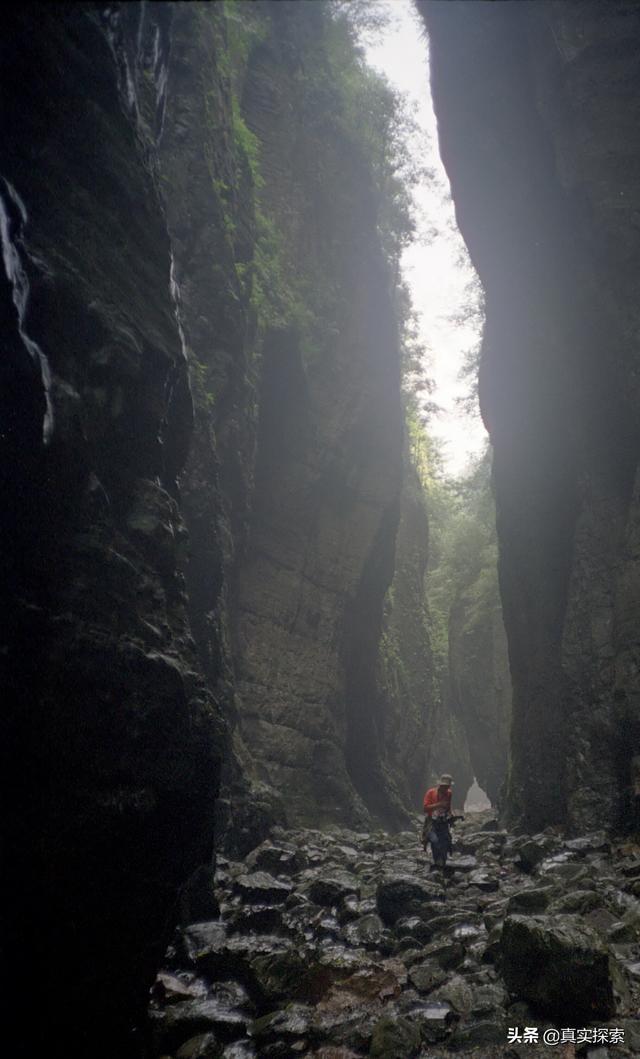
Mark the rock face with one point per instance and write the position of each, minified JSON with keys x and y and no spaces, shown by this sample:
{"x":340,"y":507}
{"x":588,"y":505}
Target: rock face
{"x":422,"y":735}
{"x":111,"y":743}
{"x":536,"y":138}
{"x":325,"y":504}
{"x":201,"y":461}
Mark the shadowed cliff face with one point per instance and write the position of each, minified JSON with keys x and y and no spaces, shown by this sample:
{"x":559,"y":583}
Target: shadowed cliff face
{"x":536,"y":106}
{"x":110,"y":739}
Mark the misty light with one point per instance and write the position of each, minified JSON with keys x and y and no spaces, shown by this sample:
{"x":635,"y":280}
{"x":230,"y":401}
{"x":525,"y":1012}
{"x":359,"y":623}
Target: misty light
{"x":436,"y":266}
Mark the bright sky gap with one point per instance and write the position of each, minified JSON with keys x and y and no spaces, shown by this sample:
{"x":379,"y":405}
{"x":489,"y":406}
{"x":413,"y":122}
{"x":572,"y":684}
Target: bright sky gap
{"x":436,"y":266}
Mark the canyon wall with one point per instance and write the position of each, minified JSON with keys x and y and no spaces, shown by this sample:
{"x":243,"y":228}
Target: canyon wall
{"x":537,"y":107}
{"x":202,"y":468}
{"x":423,"y":726}
{"x":111,"y":740}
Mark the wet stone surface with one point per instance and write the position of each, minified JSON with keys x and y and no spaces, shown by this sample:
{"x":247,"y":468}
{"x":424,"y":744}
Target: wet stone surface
{"x":340,"y":945}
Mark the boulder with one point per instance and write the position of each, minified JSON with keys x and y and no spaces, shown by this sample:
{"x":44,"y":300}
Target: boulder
{"x":204,"y":1046}
{"x":277,"y":860}
{"x":427,"y":976}
{"x":457,"y":992}
{"x":207,"y":1018}
{"x":259,"y":918}
{"x":401,"y":896}
{"x":486,"y":1032}
{"x":447,"y":953}
{"x":367,"y":931}
{"x":530,"y":900}
{"x":596,"y":842}
{"x":578,"y":901}
{"x":394,"y":1037}
{"x":262,"y":889}
{"x":559,"y":966}
{"x":434,"y":1018}
{"x":414,"y":927}
{"x":485,"y":882}
{"x":332,"y":889}
{"x":530,"y":852}
{"x":292,"y":1022}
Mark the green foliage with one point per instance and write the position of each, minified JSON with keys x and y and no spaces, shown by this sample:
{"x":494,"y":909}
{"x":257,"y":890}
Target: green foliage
{"x":463,"y":551}
{"x":379,"y":119}
{"x":246,"y":27}
{"x":469,"y":316}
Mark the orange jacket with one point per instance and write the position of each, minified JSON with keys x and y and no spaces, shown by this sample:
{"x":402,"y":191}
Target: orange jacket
{"x":432,"y":797}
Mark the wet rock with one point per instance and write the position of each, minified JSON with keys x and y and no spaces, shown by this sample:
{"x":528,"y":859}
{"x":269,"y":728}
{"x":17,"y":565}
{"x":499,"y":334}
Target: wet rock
{"x":457,"y":992}
{"x":277,"y":860}
{"x":596,"y":841}
{"x":490,"y":825}
{"x":600,"y":919}
{"x":579,"y":901}
{"x":204,"y":1046}
{"x":466,"y":932}
{"x":239,"y":1050}
{"x":444,"y":924}
{"x":261,"y":888}
{"x":558,"y":965}
{"x":171,"y":989}
{"x":488,"y":998}
{"x":478,"y":1034}
{"x":217,"y":956}
{"x":414,"y":927}
{"x":397,"y":897}
{"x":369,"y":932}
{"x":463,"y":864}
{"x":447,"y":954}
{"x":293,"y":1021}
{"x":394,"y":1037}
{"x":263,"y":919}
{"x":212,"y":1017}
{"x":351,"y":908}
{"x":530,"y":852}
{"x":427,"y":976}
{"x":332,"y":889}
{"x":493,"y":949}
{"x":433,"y":1018}
{"x":201,"y":938}
{"x":484,"y":882}
{"x":334,"y":1053}
{"x":561,"y":864}
{"x":530,"y":900}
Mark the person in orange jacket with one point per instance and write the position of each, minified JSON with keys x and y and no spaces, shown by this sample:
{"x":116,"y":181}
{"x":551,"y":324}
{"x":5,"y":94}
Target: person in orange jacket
{"x":437,"y":810}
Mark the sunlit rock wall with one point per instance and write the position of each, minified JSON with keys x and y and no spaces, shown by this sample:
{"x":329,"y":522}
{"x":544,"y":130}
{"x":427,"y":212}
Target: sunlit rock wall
{"x":325,"y":507}
{"x":538,"y":108}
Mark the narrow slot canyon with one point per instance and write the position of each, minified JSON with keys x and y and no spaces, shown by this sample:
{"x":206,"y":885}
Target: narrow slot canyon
{"x":319,"y":455}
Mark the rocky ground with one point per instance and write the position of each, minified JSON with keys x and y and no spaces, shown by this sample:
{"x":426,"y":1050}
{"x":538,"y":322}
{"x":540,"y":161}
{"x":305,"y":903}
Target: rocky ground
{"x":337,"y":945}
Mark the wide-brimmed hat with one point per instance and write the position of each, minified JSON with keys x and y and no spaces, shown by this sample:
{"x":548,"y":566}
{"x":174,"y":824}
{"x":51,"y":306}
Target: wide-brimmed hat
{"x":445,"y":780}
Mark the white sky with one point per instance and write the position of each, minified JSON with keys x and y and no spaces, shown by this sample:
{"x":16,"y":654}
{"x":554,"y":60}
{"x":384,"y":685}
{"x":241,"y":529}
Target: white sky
{"x":431,"y":265}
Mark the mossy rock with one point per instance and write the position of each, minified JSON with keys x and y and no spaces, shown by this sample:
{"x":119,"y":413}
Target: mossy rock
{"x":394,"y":1037}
